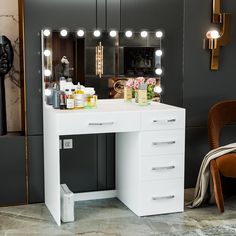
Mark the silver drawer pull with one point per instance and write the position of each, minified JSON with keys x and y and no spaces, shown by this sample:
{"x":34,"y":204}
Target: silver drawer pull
{"x":163,"y":197}
{"x":164,"y":121}
{"x":161,"y":143}
{"x":163,"y":168}
{"x":101,"y":123}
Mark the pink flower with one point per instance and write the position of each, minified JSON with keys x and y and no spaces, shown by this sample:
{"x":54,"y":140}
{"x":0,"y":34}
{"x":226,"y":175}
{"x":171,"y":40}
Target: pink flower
{"x":151,"y":81}
{"x":130,"y":83}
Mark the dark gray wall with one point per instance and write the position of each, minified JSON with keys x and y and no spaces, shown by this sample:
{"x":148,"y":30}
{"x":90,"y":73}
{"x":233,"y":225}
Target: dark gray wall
{"x":201,"y":86}
{"x":135,"y":14}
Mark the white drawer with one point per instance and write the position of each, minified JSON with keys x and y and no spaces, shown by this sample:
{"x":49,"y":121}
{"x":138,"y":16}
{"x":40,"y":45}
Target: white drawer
{"x":98,"y":122}
{"x":162,"y":142}
{"x":159,"y":120}
{"x":164,"y":196}
{"x":162,"y":167}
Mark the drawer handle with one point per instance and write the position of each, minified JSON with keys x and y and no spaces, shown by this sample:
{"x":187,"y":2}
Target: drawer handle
{"x":161,"y":143}
{"x":163,"y":168}
{"x":102,"y":123}
{"x":164,"y":121}
{"x":163,"y":197}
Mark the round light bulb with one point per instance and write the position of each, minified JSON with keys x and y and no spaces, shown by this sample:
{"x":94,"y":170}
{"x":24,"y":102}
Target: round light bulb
{"x":213,"y":34}
{"x":48,"y":92}
{"x":158,"y":89}
{"x":47,"y":53}
{"x":159,"y":34}
{"x":46,"y":32}
{"x":80,"y":33}
{"x":63,"y":33}
{"x":96,"y":33}
{"x":158,"y":71}
{"x":113,"y":33}
{"x":47,"y":72}
{"x":144,"y":34}
{"x":158,"y":53}
{"x":128,"y":34}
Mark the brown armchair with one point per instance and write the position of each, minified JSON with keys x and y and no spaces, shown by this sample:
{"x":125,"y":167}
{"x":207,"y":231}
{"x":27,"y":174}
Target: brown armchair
{"x":219,"y":115}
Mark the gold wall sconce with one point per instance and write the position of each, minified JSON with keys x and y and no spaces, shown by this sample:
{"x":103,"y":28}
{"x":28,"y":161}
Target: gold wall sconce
{"x":99,"y":60}
{"x":216,"y":38}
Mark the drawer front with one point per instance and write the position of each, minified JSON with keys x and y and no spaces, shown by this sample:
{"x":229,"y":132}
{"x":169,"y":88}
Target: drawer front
{"x":94,"y":122}
{"x":164,"y":196}
{"x":162,"y":142}
{"x":159,"y":120}
{"x":162,"y":167}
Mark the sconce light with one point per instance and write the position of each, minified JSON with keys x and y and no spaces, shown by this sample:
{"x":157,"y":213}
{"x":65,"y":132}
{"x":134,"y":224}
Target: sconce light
{"x":217,"y":39}
{"x":158,"y":53}
{"x":99,"y":60}
{"x":158,"y":89}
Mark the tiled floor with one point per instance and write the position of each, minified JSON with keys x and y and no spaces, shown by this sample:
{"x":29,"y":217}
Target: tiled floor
{"x":112,"y":218}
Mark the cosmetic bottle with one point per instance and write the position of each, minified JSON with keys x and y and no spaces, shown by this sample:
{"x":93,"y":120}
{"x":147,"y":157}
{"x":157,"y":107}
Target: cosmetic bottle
{"x":142,"y":95}
{"x":70,"y":101}
{"x":62,"y":83}
{"x":62,"y":100}
{"x":56,"y":97}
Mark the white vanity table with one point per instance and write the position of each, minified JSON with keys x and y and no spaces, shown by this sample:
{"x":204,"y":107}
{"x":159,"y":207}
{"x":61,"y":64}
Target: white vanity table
{"x":150,"y":144}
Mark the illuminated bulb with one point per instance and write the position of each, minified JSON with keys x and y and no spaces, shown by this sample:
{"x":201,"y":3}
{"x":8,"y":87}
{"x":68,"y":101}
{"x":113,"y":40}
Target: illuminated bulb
{"x":48,"y":92}
{"x":113,"y":33}
{"x":63,"y":33}
{"x":158,"y":89}
{"x":47,"y":53}
{"x":144,"y":34}
{"x":158,"y":71}
{"x":128,"y":34}
{"x":159,"y":34}
{"x":213,"y":34}
{"x":47,"y":72}
{"x":96,"y":33}
{"x":80,"y":33}
{"x":46,"y":32}
{"x":158,"y":53}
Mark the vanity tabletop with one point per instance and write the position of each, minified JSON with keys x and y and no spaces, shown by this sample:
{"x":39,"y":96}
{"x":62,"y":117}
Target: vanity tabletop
{"x":116,"y":105}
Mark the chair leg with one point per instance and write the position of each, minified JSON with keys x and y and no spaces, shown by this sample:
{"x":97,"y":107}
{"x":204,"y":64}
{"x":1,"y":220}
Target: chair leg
{"x":217,"y":185}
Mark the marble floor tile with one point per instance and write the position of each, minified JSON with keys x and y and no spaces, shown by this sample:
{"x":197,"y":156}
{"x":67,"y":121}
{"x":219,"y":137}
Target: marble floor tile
{"x":110,"y":217}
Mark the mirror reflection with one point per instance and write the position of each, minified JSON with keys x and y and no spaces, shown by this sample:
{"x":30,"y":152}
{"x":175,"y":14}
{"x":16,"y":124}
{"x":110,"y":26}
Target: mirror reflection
{"x":103,"y":60}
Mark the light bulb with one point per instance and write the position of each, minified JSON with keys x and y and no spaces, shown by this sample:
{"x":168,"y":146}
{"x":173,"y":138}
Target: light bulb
{"x":46,"y":32}
{"x":159,"y":34}
{"x":144,"y":34}
{"x":128,"y":34}
{"x":80,"y":33}
{"x":47,"y":53}
{"x":113,"y":33}
{"x":158,"y":89}
{"x":213,"y":34}
{"x":96,"y":33}
{"x":158,"y":53}
{"x":63,"y":33}
{"x":158,"y":71}
{"x":48,"y":92}
{"x":47,"y":72}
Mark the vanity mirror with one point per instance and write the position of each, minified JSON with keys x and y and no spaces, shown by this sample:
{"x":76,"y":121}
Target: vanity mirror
{"x":103,"y":60}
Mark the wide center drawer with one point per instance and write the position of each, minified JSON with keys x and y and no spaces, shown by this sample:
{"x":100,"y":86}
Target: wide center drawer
{"x":164,"y":196}
{"x":99,"y":122}
{"x":162,"y":142}
{"x":159,"y":120}
{"x":162,"y":167}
